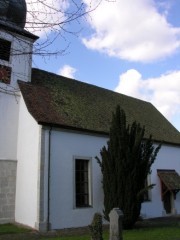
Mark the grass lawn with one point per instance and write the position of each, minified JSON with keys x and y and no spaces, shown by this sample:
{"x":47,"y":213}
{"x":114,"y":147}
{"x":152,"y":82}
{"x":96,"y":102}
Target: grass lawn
{"x":12,"y":229}
{"x":164,"y":233}
{"x":167,"y":231}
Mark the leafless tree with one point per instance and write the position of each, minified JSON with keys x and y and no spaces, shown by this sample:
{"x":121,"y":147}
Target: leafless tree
{"x":51,"y":21}
{"x":54,"y":19}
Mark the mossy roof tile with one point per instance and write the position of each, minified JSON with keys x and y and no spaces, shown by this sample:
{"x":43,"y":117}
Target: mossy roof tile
{"x":57,"y":100}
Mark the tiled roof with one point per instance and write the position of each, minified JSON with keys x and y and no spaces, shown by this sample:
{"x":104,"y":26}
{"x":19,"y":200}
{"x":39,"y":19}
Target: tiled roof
{"x":60,"y":101}
{"x":170,"y":178}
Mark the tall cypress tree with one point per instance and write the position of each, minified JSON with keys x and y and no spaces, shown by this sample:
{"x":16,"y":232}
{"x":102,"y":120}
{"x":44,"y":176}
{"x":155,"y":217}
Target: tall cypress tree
{"x":125,"y":164}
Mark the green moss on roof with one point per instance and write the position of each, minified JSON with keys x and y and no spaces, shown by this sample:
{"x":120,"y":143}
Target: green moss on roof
{"x":79,"y":105}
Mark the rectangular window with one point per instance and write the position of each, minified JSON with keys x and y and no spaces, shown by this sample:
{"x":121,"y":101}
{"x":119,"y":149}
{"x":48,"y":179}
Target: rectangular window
{"x":5,"y":48}
{"x":82,"y":191}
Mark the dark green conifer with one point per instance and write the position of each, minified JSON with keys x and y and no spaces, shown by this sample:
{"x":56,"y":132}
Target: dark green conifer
{"x":125,"y":164}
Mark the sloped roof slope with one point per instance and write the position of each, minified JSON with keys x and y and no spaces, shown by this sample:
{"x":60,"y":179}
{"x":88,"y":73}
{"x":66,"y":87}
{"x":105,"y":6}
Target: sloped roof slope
{"x":63,"y":102}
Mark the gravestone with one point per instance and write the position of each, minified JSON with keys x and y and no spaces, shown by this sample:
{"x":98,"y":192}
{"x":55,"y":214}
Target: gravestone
{"x":116,"y":216}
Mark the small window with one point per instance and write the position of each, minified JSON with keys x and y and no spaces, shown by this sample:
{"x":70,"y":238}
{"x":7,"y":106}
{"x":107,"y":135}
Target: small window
{"x":5,"y":48}
{"x":82,"y":193}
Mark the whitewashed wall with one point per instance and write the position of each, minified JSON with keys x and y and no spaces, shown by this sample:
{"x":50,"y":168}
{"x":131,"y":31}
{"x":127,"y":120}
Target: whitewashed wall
{"x":9,"y":96}
{"x":64,"y":147}
{"x":9,"y":110}
{"x":67,"y":145}
{"x":27,"y":186}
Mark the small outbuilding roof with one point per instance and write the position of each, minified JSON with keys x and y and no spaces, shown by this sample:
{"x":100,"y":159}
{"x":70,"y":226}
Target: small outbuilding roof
{"x":170,"y":179}
{"x":63,"y":102}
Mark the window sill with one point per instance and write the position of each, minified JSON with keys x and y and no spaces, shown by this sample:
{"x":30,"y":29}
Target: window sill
{"x":83,"y":207}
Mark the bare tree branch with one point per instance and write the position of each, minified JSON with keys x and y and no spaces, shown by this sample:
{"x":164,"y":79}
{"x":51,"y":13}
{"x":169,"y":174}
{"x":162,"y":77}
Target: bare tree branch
{"x":52,"y":21}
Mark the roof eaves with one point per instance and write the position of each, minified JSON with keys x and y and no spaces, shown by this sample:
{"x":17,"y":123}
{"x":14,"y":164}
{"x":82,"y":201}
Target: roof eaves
{"x":103,"y":133}
{"x":12,"y":28}
{"x":68,"y":127}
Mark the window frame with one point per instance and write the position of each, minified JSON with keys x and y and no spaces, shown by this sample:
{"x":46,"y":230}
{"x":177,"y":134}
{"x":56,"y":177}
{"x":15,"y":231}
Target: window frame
{"x":89,"y":160}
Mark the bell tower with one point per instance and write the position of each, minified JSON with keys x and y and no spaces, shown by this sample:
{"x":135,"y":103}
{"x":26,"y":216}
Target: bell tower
{"x":15,"y":64}
{"x":15,"y":45}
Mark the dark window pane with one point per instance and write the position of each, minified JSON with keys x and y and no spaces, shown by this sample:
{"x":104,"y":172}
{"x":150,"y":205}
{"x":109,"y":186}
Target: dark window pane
{"x":82,"y":184}
{"x":5,"y":47}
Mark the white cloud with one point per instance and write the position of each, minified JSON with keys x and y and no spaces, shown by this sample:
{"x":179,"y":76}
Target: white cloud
{"x":135,"y":32}
{"x":163,"y":92}
{"x":45,"y":16}
{"x":129,"y":83}
{"x":67,"y":71}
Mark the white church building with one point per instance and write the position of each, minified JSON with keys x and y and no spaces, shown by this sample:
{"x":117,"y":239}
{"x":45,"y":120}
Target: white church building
{"x":51,"y":130}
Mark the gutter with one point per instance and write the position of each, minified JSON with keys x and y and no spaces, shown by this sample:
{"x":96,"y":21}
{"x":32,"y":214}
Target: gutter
{"x":49,"y":177}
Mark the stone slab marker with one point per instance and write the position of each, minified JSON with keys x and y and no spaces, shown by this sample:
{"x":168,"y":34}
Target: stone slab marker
{"x":116,"y":216}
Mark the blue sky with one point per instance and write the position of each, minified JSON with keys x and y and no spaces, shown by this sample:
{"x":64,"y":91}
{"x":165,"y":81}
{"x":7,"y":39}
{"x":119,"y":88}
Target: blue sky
{"x":132,"y":47}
